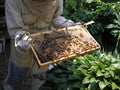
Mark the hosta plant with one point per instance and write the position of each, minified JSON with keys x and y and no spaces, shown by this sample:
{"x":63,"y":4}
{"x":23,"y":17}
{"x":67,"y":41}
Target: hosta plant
{"x":97,"y":71}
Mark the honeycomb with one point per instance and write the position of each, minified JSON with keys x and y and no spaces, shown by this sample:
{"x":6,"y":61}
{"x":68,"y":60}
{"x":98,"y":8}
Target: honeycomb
{"x":62,"y":44}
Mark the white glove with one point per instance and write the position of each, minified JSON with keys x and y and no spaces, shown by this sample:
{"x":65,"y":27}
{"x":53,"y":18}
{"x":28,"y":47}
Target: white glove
{"x":63,"y":22}
{"x":23,"y":40}
{"x":51,"y":66}
{"x":68,"y":23}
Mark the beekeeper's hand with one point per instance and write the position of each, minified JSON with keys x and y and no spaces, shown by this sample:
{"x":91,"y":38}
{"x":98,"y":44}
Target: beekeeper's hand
{"x":61,"y":22}
{"x":23,"y":40}
{"x":68,"y":23}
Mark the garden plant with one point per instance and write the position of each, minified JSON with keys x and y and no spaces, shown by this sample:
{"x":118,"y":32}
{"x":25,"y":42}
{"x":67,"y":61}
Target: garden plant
{"x":99,"y":70}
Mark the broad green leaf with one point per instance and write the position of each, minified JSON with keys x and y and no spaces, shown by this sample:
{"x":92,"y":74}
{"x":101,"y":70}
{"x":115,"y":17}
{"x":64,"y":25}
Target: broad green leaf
{"x":116,"y":65}
{"x":86,"y":80}
{"x":90,"y":57}
{"x":86,"y":63}
{"x":107,"y":74}
{"x":102,"y":85}
{"x":114,"y":86}
{"x":117,"y":77}
{"x":93,"y":79}
{"x":106,"y":82}
{"x":99,"y":73}
{"x":101,"y":65}
{"x":85,"y":72}
{"x":89,"y":1}
{"x":94,"y":69}
{"x":112,"y":73}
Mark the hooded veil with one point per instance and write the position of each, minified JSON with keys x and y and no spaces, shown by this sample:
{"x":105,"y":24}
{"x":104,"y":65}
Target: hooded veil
{"x":40,"y":7}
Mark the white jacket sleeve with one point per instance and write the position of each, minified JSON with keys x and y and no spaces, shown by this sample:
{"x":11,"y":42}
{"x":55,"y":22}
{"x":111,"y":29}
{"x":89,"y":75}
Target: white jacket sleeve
{"x":58,"y":20}
{"x":13,"y":18}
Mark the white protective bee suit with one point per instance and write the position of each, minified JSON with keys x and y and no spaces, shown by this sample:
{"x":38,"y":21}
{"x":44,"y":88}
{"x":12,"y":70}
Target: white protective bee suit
{"x":29,"y":16}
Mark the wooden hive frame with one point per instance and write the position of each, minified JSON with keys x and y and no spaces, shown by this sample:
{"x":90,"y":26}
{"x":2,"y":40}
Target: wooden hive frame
{"x":73,"y":31}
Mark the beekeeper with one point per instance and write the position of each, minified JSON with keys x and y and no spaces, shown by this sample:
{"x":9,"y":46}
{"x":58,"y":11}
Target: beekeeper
{"x":24,"y":17}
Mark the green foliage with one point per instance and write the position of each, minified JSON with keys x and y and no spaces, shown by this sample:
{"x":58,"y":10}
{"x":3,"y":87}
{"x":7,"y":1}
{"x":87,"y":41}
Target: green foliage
{"x":101,"y":11}
{"x":97,"y":71}
{"x":100,"y":71}
{"x":116,"y":29}
{"x":115,"y":26}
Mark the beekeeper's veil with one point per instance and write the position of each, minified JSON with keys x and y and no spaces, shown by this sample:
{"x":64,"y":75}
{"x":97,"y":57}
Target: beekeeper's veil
{"x":40,"y":7}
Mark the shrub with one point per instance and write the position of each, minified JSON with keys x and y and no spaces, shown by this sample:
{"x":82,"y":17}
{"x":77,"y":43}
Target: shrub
{"x":97,"y":71}
{"x":101,"y":11}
